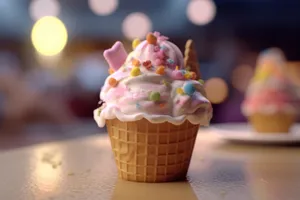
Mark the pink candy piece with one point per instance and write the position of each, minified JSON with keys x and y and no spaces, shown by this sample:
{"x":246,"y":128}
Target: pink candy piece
{"x":156,"y":49}
{"x":171,"y":65}
{"x":116,"y":55}
{"x":158,"y":62}
{"x":177,"y":75}
{"x":161,"y":54}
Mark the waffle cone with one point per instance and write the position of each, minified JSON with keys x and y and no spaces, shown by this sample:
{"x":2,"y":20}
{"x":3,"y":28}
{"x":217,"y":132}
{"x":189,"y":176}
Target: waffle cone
{"x":147,"y":152}
{"x":190,"y":58}
{"x":272,"y":123}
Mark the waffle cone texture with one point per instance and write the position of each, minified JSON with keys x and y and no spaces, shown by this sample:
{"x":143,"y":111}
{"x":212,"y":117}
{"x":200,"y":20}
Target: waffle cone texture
{"x":146,"y":152}
{"x":272,"y":123}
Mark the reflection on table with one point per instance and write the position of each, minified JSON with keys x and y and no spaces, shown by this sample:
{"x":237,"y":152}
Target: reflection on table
{"x":84,"y":168}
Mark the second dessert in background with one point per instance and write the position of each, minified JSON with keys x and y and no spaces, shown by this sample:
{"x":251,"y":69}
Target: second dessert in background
{"x":271,"y":102}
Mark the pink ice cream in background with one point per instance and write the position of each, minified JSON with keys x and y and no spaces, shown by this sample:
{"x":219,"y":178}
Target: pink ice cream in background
{"x":270,"y":90}
{"x":153,"y":84}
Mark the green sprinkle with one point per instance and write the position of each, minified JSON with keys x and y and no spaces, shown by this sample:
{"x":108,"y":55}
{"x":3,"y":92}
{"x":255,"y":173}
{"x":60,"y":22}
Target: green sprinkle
{"x":154,"y":96}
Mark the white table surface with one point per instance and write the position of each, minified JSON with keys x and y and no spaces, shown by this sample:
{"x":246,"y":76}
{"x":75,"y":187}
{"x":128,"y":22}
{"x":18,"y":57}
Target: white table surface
{"x":84,"y":169}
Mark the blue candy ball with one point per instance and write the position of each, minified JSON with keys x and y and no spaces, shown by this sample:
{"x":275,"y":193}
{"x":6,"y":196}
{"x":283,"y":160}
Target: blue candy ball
{"x":189,"y":89}
{"x":182,"y":71}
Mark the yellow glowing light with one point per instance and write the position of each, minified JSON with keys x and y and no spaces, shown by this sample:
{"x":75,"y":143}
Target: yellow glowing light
{"x":49,"y":36}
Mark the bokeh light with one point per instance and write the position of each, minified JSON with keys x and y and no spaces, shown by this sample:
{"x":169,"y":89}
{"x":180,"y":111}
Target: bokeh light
{"x":216,"y":90}
{"x":201,"y":12}
{"x":136,"y":25}
{"x":42,"y":8}
{"x":241,"y":77}
{"x":90,"y":72}
{"x":49,"y":36}
{"x":103,"y":7}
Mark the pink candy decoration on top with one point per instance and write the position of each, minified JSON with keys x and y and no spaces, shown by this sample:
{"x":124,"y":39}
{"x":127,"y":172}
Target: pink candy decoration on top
{"x":116,"y":55}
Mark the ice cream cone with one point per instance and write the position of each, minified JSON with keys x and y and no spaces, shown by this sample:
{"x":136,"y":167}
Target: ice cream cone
{"x":147,"y":152}
{"x":190,"y":58}
{"x":272,"y":123}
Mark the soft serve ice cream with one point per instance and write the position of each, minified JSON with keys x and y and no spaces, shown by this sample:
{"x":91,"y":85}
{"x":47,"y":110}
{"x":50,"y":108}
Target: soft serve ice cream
{"x":152,"y":83}
{"x":270,"y":90}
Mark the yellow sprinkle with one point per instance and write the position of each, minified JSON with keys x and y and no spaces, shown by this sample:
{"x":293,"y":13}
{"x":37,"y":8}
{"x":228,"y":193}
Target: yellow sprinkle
{"x":261,"y":76}
{"x":187,"y":75}
{"x":201,"y":81}
{"x":166,"y":83}
{"x":179,"y":91}
{"x":135,"y":71}
{"x":71,"y":174}
{"x":135,"y":43}
{"x":177,"y":68}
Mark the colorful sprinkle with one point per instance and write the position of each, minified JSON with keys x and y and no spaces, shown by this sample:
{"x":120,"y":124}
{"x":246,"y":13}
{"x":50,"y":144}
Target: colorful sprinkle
{"x":179,"y":91}
{"x":156,"y":49}
{"x":147,"y":64}
{"x":160,"y":70}
{"x":201,"y":81}
{"x":182,"y":71}
{"x":177,"y":75}
{"x":189,"y":89}
{"x":170,"y":61}
{"x":187,"y":75}
{"x":164,"y":48}
{"x":151,"y":39}
{"x":166,"y":83}
{"x":99,"y":111}
{"x":135,"y":43}
{"x":193,"y":75}
{"x":162,"y":105}
{"x":176,"y":68}
{"x":154,"y":96}
{"x":135,"y":71}
{"x":136,"y":62}
{"x":138,"y":106}
{"x":112,"y":82}
{"x":111,"y":71}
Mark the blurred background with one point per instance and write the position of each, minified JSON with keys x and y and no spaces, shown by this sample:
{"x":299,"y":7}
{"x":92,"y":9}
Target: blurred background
{"x":52,"y":69}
